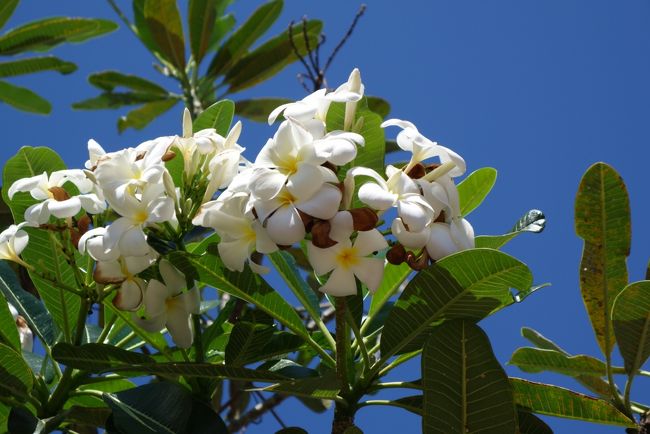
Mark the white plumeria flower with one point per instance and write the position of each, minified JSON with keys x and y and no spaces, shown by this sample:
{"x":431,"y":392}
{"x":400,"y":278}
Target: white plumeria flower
{"x":311,"y":112}
{"x":13,"y":241}
{"x":349,"y":92}
{"x":281,"y":214}
{"x":167,"y":305}
{"x":224,"y":164}
{"x":24,"y":332}
{"x":294,"y":162}
{"x":346,"y":259}
{"x":95,"y":154}
{"x":151,"y":207}
{"x":448,"y":238}
{"x":398,"y":191}
{"x":410,"y":139}
{"x":339,"y":147}
{"x":55,"y":200}
{"x":240,"y":232}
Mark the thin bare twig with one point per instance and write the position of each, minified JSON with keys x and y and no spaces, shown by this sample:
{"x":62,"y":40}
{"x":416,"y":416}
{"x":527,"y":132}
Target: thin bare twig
{"x":297,"y":52}
{"x":345,"y":38}
{"x":257,"y":412}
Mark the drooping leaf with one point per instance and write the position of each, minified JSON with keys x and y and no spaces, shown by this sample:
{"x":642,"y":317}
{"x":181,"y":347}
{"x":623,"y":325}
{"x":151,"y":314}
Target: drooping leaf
{"x":538,"y":360}
{"x":244,"y":37}
{"x":8,"y":329}
{"x":325,"y":387}
{"x":631,"y":319}
{"x":533,"y":221}
{"x":44,"y":34}
{"x":467,"y":285}
{"x":258,"y":109}
{"x":285,"y":264}
{"x":109,"y":80}
{"x":36,"y":64}
{"x":465,"y":388}
{"x":6,"y":10}
{"x":91,"y":416}
{"x":602,"y":220}
{"x":166,"y":29}
{"x":379,"y":106}
{"x":29,"y":307}
{"x":394,"y":276}
{"x":15,"y":375}
{"x":23,"y":99}
{"x":113,"y":100}
{"x":201,"y":17}
{"x":475,"y":188}
{"x":143,"y":116}
{"x":218,"y":116}
{"x":593,"y":383}
{"x":531,"y":424}
{"x":222,"y":26}
{"x":271,"y":57}
{"x":142,"y":28}
{"x":560,"y":402}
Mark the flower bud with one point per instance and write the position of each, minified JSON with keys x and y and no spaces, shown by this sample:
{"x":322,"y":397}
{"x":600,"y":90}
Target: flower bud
{"x":417,"y":263}
{"x":167,"y":156}
{"x":320,"y":234}
{"x":364,"y":219}
{"x":59,"y":194}
{"x":417,"y":171}
{"x":396,"y":254}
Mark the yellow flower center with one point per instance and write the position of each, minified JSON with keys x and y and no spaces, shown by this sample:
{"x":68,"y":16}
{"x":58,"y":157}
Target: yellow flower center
{"x":347,"y":257}
{"x":140,"y":217}
{"x":249,"y":235}
{"x":289,"y":165}
{"x":286,"y":198}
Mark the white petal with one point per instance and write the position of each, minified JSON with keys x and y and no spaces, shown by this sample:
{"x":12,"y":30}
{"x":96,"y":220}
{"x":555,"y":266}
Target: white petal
{"x":137,"y":264}
{"x":409,"y":239}
{"x":108,"y":272}
{"x":322,"y":260}
{"x":180,"y":327}
{"x":265,"y":184}
{"x":38,"y":214}
{"x":263,"y":242}
{"x":324,"y":204}
{"x":376,"y":197}
{"x":370,"y":271}
{"x":64,"y":208}
{"x":369,"y":241}
{"x":285,"y":226}
{"x":341,"y":226}
{"x":234,"y":253}
{"x":129,"y":296}
{"x":305,"y":182}
{"x":155,"y":298}
{"x":133,"y":242}
{"x":462,"y":233}
{"x":25,"y":184}
{"x":440,"y":243}
{"x":153,"y":324}
{"x":174,"y":279}
{"x":340,"y":283}
{"x":191,"y":300}
{"x":20,"y":241}
{"x":415,"y":213}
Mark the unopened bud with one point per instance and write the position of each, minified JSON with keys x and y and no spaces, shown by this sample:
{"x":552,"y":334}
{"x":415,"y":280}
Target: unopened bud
{"x":140,"y":156}
{"x":396,"y":254}
{"x":441,"y":217}
{"x":320,"y":235}
{"x":169,"y":155}
{"x":417,"y":263}
{"x":83,"y":224}
{"x":364,"y":219}
{"x":417,"y":171}
{"x":307,"y":220}
{"x":59,"y":194}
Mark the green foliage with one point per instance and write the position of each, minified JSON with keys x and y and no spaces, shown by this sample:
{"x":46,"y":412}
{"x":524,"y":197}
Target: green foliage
{"x":218,"y":116}
{"x":533,"y":221}
{"x":8,"y":331}
{"x":465,"y":388}
{"x":16,"y":380}
{"x":475,"y":188}
{"x":631,"y":321}
{"x":538,"y":360}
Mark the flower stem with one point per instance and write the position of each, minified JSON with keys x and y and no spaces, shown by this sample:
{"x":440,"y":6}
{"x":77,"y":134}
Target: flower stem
{"x":343,"y":413}
{"x":358,"y":340}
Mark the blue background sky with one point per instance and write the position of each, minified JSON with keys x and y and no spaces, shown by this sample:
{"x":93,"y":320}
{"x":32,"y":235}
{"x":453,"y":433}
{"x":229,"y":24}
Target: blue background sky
{"x":538,"y":90}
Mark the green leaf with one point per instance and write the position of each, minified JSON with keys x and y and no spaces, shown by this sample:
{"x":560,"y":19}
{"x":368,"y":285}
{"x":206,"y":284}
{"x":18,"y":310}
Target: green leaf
{"x":602,"y":220}
{"x":247,"y":286}
{"x":593,"y":383}
{"x":15,"y":375}
{"x":218,"y":116}
{"x":222,"y":26}
{"x":23,"y":99}
{"x":246,"y":338}
{"x":36,"y":64}
{"x":379,"y":106}
{"x":258,"y":109}
{"x":143,"y":116}
{"x":533,"y":221}
{"x":538,"y":360}
{"x":325,"y":387}
{"x":292,"y":430}
{"x":271,"y":57}
{"x":92,"y":416}
{"x":560,"y":402}
{"x":244,"y":37}
{"x":531,"y":424}
{"x":285,"y":264}
{"x":142,"y":28}
{"x":111,"y":100}
{"x":45,"y":34}
{"x":203,"y":420}
{"x":631,"y":319}
{"x":468,"y":285}
{"x":8,"y":329}
{"x":107,"y":358}
{"x":29,"y":307}
{"x":473,"y":190}
{"x":152,"y":408}
{"x":109,"y":80}
{"x":465,"y":388}
{"x":201,"y":17}
{"x":165,"y":27}
{"x":6,"y":10}
{"x":394,"y":276}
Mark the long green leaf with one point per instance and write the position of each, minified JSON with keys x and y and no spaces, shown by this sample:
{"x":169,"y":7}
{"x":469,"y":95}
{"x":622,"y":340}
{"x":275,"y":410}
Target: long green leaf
{"x":166,"y":29}
{"x":467,"y":285}
{"x":244,"y":37}
{"x":538,"y":360}
{"x":285,"y":264}
{"x":112,"y":100}
{"x":631,"y":318}
{"x":6,"y":10}
{"x":379,"y":106}
{"x":325,"y":387}
{"x":36,"y":64}
{"x":465,"y":388}
{"x":109,"y":80}
{"x":16,"y":379}
{"x":394,"y":276}
{"x":246,"y":338}
{"x":44,"y":34}
{"x":533,"y":221}
{"x":602,"y":220}
{"x":560,"y":402}
{"x":475,"y":188}
{"x":143,"y":116}
{"x":23,"y":99}
{"x":201,"y":17}
{"x":258,"y":109}
{"x":218,"y":116}
{"x":8,"y":330}
{"x":271,"y":57}
{"x":531,"y":424}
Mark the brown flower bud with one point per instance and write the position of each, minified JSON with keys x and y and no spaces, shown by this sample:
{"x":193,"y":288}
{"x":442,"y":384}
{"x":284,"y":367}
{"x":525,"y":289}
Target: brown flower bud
{"x":417,"y":172}
{"x":169,"y":155}
{"x":320,"y":234}
{"x":441,"y":217}
{"x":364,"y":219}
{"x":83,"y":224}
{"x":417,"y":263}
{"x":59,"y":194}
{"x":432,"y":166}
{"x":330,"y":166}
{"x":75,"y":236}
{"x":307,"y":220}
{"x":140,"y":156}
{"x":396,"y":254}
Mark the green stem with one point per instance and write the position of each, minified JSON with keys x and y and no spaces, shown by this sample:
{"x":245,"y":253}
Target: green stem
{"x":397,"y":385}
{"x":341,"y":345}
{"x":395,"y":363}
{"x":107,"y":328}
{"x":198,"y":339}
{"x":358,"y":339}
{"x":626,"y":394}
{"x":390,"y":403}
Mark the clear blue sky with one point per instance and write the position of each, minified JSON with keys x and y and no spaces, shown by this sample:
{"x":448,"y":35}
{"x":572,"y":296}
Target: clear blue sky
{"x":538,"y":90}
